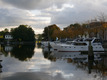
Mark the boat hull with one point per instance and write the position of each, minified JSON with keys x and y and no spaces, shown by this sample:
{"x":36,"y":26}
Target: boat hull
{"x":71,"y":48}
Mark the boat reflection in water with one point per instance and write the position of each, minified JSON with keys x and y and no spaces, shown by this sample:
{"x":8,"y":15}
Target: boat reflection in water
{"x":0,"y":65}
{"x":96,"y":65}
{"x":0,"y":60}
{"x":21,"y":52}
{"x":47,"y":53}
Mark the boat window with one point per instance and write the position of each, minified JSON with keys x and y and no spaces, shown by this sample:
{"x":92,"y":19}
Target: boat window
{"x":97,"y":41}
{"x":88,"y":39}
{"x":81,"y":40}
{"x":69,"y":42}
{"x":79,"y":44}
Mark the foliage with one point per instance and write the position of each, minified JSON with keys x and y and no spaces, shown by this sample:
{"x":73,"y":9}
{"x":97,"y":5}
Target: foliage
{"x":73,"y":30}
{"x":23,"y":33}
{"x":56,"y":34}
{"x":48,"y":32}
{"x":39,"y":37}
{"x":92,"y":29}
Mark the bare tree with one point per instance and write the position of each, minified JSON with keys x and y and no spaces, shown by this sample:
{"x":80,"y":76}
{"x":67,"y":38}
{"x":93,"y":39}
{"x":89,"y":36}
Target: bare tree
{"x":102,"y":19}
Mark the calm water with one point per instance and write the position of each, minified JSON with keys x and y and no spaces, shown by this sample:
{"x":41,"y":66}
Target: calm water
{"x":34,"y":63}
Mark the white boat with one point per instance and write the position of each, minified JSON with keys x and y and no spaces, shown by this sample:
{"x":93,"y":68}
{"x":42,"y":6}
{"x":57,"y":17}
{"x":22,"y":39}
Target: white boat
{"x":45,"y":44}
{"x":55,"y":43}
{"x":78,"y":46}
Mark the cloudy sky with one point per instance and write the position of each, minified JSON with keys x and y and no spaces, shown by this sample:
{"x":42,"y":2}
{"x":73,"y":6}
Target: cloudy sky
{"x":41,"y":13}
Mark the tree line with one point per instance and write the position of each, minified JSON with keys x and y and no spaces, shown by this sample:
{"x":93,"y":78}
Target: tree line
{"x":20,"y":33}
{"x":92,"y":29}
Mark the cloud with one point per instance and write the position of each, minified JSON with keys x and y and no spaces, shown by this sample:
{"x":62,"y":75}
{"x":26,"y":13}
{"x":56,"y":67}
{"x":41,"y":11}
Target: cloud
{"x":34,"y":4}
{"x":14,"y":17}
{"x":81,"y":12}
{"x":41,"y":13}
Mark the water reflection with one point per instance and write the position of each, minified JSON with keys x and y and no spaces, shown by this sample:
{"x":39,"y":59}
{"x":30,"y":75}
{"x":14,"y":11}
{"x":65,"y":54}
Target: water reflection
{"x":21,"y":52}
{"x":47,"y":54}
{"x":38,"y":45}
{"x":0,"y":66}
{"x":52,"y":65}
{"x":96,"y":63}
{"x":0,"y":62}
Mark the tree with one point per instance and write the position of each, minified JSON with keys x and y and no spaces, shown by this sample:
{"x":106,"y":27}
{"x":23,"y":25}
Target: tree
{"x":48,"y":31}
{"x":56,"y":34}
{"x":39,"y":37}
{"x":72,"y":31}
{"x":6,"y":30}
{"x":23,"y":33}
{"x":45,"y":33}
{"x":102,"y":18}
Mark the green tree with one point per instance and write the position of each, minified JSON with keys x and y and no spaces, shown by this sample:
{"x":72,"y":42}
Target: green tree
{"x":49,"y":30}
{"x":39,"y":38}
{"x":23,"y":33}
{"x":6,"y":30}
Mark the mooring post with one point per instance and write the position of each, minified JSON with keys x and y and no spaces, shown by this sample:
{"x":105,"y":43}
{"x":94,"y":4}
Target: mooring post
{"x":0,"y":47}
{"x":90,"y":57}
{"x":90,"y":49}
{"x":0,"y":66}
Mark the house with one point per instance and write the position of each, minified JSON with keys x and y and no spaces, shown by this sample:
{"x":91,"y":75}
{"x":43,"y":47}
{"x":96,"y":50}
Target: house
{"x":8,"y":36}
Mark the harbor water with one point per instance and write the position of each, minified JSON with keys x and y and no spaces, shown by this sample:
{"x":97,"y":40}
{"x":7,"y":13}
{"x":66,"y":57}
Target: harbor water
{"x":31,"y":62}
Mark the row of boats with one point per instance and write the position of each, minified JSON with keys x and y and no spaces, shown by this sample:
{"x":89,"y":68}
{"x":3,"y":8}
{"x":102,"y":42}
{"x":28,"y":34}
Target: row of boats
{"x":77,"y":45}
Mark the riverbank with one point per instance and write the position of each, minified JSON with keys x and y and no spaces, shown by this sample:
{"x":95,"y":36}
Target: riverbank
{"x":18,"y":42}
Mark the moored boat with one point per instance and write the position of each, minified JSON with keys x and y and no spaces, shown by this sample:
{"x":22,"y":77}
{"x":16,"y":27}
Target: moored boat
{"x":80,"y":46}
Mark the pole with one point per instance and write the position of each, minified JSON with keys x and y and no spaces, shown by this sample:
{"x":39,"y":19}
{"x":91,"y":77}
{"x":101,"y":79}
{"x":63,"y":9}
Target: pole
{"x":90,"y":57}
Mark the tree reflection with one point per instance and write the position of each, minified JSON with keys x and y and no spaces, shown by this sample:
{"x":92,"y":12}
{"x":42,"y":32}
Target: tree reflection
{"x":47,"y":54}
{"x":23,"y":52}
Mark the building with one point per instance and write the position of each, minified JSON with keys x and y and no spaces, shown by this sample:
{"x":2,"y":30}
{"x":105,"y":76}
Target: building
{"x":8,"y":36}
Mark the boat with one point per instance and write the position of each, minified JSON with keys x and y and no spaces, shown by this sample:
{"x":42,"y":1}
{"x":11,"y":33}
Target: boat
{"x":45,"y":44}
{"x":79,"y":46}
{"x":55,"y":43}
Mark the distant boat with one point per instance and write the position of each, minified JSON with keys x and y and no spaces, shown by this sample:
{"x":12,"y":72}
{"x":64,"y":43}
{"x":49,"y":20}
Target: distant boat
{"x":79,"y":46}
{"x":45,"y":43}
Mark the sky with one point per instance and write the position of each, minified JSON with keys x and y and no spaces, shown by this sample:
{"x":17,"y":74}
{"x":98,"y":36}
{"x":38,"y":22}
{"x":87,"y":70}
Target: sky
{"x":41,"y":13}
